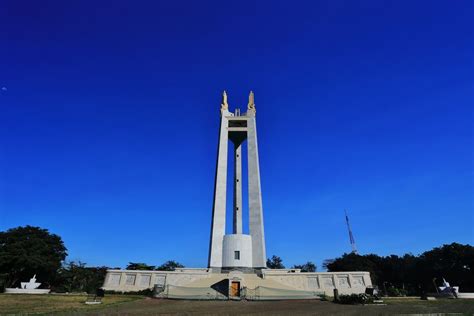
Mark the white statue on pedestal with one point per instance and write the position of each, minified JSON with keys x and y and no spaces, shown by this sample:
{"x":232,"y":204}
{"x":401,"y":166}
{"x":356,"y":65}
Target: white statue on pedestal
{"x":28,"y":288}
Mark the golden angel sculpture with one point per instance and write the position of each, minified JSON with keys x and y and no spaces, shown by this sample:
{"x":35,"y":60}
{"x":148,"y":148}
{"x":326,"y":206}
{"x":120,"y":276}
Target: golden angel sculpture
{"x":251,"y":105}
{"x":224,"y":104}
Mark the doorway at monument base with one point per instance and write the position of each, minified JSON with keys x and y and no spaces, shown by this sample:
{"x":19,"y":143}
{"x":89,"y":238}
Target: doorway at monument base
{"x":269,"y":284}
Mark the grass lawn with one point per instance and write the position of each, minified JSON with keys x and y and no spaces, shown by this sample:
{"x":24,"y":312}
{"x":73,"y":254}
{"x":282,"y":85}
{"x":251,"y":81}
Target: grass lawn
{"x":136,"y":305}
{"x":22,"y":304}
{"x":416,"y":305}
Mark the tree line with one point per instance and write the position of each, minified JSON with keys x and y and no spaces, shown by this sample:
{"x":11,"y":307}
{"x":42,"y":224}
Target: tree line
{"x":414,"y":275}
{"x":408,"y":274}
{"x":28,"y":250}
{"x":276,"y":262}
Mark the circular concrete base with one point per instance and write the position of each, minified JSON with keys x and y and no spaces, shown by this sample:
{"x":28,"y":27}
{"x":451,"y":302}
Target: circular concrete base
{"x":237,"y":251}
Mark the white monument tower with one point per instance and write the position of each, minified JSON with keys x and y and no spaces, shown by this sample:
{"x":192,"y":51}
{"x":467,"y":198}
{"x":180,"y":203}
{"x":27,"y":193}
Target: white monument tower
{"x":237,"y":250}
{"x":237,"y":260}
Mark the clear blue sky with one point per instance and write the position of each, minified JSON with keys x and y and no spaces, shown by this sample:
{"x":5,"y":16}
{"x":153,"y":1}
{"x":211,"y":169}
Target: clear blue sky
{"x":109,"y":116}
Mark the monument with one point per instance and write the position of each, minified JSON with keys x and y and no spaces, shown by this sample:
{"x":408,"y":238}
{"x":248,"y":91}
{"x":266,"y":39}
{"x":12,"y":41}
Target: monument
{"x":28,"y":288}
{"x":237,"y":250}
{"x":237,"y":261}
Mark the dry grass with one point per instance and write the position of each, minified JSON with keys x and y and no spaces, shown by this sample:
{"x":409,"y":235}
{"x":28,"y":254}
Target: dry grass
{"x":133,"y":305}
{"x":303,"y":307}
{"x":11,"y":304}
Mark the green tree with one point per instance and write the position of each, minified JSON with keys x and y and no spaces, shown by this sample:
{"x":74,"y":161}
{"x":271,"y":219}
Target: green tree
{"x":327,"y":262}
{"x":170,"y":265}
{"x":307,"y":267}
{"x":25,"y":251}
{"x":355,"y":262}
{"x":275,"y":262}
{"x":77,"y":277}
{"x":139,"y":266}
{"x":414,"y":274}
{"x":454,"y":262}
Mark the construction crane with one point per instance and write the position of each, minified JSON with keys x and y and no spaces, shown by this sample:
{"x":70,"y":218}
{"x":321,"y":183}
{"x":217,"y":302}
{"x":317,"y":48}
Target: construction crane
{"x":351,"y":237}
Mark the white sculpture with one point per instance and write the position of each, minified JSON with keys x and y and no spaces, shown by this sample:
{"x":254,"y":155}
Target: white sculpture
{"x":28,"y":288}
{"x":447,"y":289}
{"x":30,"y":285}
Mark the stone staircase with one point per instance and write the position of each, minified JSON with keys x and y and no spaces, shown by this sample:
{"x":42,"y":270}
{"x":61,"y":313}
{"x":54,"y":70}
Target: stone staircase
{"x":215,"y":286}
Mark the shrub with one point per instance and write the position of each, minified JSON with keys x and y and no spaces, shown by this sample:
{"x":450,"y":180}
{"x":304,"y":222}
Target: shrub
{"x":393,"y":291}
{"x":355,"y":299}
{"x":145,"y":292}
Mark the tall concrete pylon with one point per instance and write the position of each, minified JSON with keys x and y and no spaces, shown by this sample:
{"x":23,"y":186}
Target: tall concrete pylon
{"x":237,"y":250}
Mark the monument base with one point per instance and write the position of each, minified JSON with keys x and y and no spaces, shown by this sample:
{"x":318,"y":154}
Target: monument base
{"x":26,"y":291}
{"x":235,"y":284}
{"x":30,"y":287}
{"x":241,"y":269}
